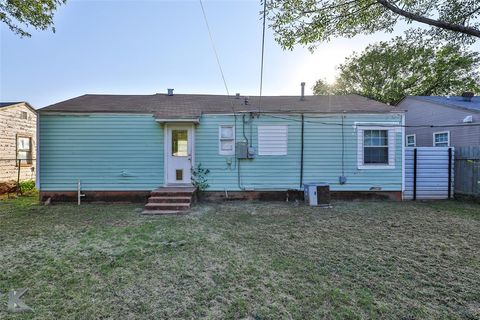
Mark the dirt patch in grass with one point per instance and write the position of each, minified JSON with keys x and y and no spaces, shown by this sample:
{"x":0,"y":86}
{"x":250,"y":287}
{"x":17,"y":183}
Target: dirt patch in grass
{"x":241,"y":260}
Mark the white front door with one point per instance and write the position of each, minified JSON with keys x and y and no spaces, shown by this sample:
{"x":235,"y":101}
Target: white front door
{"x":179,"y":153}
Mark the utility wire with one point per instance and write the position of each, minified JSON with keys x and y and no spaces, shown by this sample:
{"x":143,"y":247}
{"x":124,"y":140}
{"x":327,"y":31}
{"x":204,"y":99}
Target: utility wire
{"x":375,"y":124}
{"x":263,"y":52}
{"x":215,"y":51}
{"x":223,"y":78}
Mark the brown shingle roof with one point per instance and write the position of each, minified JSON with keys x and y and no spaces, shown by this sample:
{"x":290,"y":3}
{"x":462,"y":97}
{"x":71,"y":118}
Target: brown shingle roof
{"x":194,"y":105}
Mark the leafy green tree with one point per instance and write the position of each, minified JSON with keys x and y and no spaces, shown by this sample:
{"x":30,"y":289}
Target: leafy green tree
{"x":19,"y":14}
{"x":322,"y":87}
{"x":307,"y":22}
{"x":387,"y":71}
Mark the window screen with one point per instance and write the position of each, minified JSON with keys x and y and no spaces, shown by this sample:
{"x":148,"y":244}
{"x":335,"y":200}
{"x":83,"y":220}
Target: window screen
{"x":226,"y":140}
{"x":441,"y":139}
{"x":24,"y":149}
{"x":375,"y":144}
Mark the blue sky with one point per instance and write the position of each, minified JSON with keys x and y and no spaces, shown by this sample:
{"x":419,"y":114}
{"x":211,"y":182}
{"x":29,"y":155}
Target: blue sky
{"x":145,"y":47}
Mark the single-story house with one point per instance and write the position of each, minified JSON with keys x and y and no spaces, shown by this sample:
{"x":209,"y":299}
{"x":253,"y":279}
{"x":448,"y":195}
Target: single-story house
{"x":18,"y":130}
{"x":121,"y":146}
{"x":442,"y":121}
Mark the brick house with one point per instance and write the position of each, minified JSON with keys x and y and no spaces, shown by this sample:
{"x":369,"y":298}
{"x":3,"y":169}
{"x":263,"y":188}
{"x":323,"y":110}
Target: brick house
{"x":18,"y":131}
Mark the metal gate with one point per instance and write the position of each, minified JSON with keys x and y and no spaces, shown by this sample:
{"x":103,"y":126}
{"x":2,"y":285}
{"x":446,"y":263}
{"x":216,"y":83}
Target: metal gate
{"x":429,"y":173}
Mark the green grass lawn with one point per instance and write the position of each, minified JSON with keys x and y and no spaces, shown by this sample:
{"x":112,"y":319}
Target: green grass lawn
{"x":243,"y":260}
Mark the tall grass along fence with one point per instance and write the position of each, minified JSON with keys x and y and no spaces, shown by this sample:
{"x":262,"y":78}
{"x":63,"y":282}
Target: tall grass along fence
{"x":467,"y":171}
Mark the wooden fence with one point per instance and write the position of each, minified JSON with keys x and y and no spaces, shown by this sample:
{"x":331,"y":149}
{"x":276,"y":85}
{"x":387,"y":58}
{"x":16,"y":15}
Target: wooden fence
{"x":467,"y":171}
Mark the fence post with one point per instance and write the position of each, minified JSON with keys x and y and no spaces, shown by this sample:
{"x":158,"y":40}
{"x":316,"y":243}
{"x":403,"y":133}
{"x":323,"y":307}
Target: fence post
{"x":415,"y":174}
{"x":19,"y":189}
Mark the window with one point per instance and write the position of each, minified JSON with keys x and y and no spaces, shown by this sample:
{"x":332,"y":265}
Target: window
{"x":23,"y":115}
{"x":376,"y":147}
{"x":179,"y":143}
{"x":179,"y":174}
{"x":272,"y":140}
{"x":24,"y":149}
{"x":441,"y":139}
{"x":226,"y":140}
{"x":410,"y":140}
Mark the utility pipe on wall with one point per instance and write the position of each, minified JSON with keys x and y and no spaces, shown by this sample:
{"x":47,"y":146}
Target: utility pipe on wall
{"x":79,"y":193}
{"x":301,"y":151}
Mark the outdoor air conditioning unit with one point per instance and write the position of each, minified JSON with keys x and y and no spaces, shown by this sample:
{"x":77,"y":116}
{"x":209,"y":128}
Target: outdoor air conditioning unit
{"x":317,"y":194}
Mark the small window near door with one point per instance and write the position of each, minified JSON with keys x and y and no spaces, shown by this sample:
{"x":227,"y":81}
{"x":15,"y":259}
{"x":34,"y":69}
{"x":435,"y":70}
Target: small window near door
{"x":179,"y":143}
{"x":410,"y":140}
{"x":441,"y":139}
{"x":179,"y":175}
{"x":24,"y":150}
{"x":226,"y":140}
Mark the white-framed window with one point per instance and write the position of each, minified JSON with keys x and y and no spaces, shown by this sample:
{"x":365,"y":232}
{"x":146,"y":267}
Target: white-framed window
{"x":376,"y":147}
{"x":411,"y":140}
{"x":24,"y":150}
{"x":273,"y":140}
{"x":441,"y":139}
{"x":226,"y":140}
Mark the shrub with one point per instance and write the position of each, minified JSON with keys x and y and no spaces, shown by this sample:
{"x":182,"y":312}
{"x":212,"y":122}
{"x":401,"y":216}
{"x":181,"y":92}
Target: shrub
{"x":27,"y":186}
{"x":199,"y":177}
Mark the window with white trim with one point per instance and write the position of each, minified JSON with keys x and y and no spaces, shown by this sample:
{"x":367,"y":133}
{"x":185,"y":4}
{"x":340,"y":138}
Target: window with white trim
{"x":273,"y":140}
{"x":410,"y":140}
{"x":226,"y":140}
{"x":24,"y":150}
{"x":376,"y":147}
{"x":441,"y":139}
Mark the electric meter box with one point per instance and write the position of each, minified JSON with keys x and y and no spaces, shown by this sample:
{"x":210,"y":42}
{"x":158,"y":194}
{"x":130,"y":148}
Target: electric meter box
{"x":241,"y":150}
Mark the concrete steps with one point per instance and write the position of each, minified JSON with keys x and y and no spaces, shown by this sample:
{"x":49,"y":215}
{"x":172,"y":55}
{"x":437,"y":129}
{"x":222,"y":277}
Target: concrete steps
{"x":169,"y":201}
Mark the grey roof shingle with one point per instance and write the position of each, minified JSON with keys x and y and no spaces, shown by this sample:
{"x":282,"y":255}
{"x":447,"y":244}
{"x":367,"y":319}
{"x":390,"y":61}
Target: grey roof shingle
{"x":194,"y":105}
{"x":452,"y":101}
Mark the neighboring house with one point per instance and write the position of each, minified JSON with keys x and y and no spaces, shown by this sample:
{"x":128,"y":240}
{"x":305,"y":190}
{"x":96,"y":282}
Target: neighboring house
{"x":456,"y":111}
{"x":121,"y":146}
{"x":18,"y":130}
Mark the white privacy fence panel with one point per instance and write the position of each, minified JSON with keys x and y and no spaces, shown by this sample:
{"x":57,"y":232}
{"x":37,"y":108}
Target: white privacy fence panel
{"x":431,"y":179}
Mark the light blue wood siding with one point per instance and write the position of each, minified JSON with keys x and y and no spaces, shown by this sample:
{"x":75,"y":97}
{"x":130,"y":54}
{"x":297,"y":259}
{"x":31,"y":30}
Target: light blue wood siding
{"x":322,"y":155}
{"x":126,"y":152}
{"x":106,"y":152}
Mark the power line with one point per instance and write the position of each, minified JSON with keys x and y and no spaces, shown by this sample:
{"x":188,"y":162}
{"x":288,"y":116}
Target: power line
{"x":263,"y":52}
{"x":237,"y":164}
{"x":214,"y":48}
{"x":375,"y":124}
